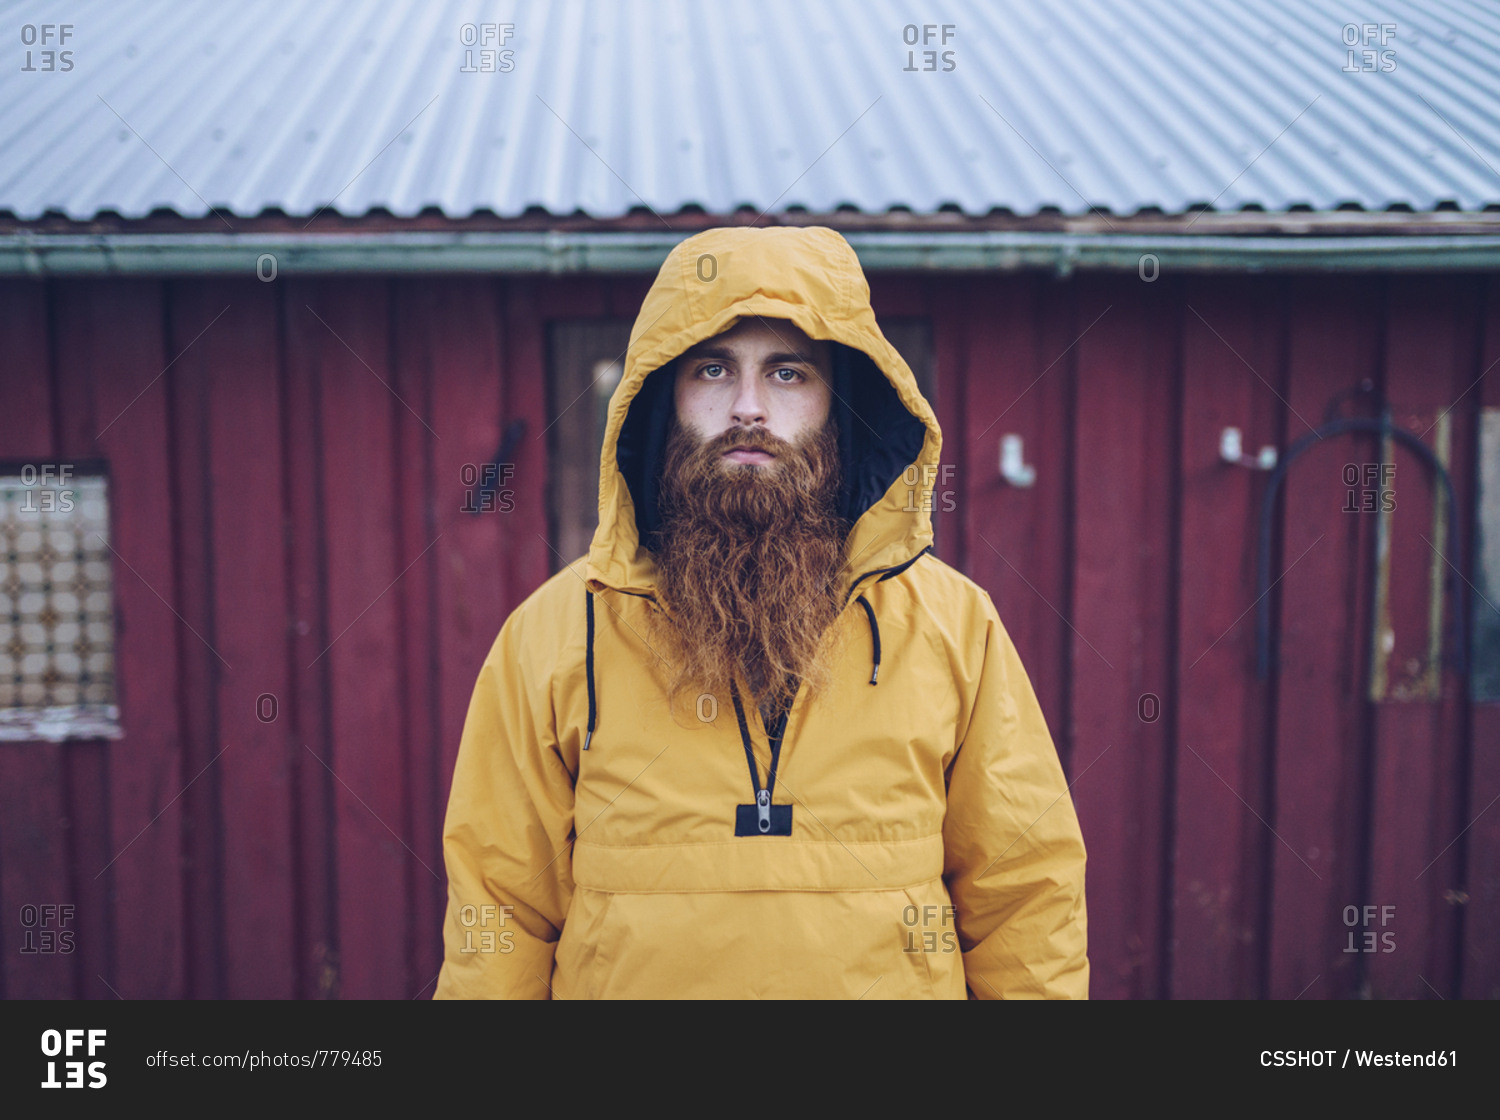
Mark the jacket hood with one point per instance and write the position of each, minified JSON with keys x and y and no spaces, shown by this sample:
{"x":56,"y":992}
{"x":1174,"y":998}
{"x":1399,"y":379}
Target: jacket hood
{"x":888,"y":435}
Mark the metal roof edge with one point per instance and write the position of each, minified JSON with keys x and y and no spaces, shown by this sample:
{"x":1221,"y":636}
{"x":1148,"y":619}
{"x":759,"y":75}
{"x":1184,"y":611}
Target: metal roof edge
{"x":270,"y":255}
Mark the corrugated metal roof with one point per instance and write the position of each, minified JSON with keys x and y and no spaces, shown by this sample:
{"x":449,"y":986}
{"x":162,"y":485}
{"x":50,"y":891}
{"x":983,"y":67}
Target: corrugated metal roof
{"x":609,"y":106}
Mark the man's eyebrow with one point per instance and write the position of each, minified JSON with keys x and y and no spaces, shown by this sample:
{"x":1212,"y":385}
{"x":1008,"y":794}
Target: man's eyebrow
{"x":725,"y":354}
{"x":719,"y":352}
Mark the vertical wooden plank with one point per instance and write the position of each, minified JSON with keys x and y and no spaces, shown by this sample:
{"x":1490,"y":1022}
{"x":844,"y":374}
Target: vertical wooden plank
{"x":1124,"y":458}
{"x":200,"y":665}
{"x":301,"y":338}
{"x":123,"y":361}
{"x":1017,"y":538}
{"x":1054,"y":456}
{"x":950,"y":351}
{"x":509,"y":558}
{"x":361,"y":412}
{"x":1480,"y":964}
{"x":490,"y":376}
{"x":114,"y":380}
{"x":416,"y":535}
{"x":85,"y":315}
{"x":88,"y":782}
{"x":1416,"y":866}
{"x":1223,"y":832}
{"x":528,"y":559}
{"x":449,"y":357}
{"x":1322,"y":718}
{"x":234,"y":365}
{"x":414,"y":306}
{"x":33,"y":852}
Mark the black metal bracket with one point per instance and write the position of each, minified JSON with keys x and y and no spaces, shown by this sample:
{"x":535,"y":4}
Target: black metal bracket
{"x":1349,"y":426}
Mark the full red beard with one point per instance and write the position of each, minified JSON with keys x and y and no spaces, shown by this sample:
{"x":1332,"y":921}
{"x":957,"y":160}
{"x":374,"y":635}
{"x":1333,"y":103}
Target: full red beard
{"x":748,"y":563}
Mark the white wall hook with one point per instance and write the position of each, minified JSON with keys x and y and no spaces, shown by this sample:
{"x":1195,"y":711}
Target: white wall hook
{"x":1232,"y":450}
{"x":1013,"y":467}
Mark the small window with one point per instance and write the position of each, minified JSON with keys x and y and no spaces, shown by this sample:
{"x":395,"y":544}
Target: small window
{"x":57,"y":658}
{"x":587,"y":362}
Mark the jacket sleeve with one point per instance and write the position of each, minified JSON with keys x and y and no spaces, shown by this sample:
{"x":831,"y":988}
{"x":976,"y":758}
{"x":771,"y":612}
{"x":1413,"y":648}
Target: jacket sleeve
{"x":1014,"y":855}
{"x":507,"y":837}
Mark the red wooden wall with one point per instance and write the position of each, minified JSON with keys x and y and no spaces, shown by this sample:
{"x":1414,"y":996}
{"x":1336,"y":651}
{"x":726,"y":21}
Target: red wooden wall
{"x":287,"y":475}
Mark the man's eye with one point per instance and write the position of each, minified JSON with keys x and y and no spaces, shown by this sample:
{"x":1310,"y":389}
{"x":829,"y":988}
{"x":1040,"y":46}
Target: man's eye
{"x":794,"y":377}
{"x":709,"y":372}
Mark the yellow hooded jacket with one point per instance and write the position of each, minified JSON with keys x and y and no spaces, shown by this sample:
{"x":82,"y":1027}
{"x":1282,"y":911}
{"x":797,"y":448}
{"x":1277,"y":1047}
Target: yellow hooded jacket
{"x":591,"y":839}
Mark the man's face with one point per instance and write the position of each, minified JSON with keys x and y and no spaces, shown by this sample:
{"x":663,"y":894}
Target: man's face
{"x":760,"y":374}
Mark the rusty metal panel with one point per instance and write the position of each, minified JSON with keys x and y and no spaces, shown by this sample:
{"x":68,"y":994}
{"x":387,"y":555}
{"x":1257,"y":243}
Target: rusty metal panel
{"x":601,"y":107}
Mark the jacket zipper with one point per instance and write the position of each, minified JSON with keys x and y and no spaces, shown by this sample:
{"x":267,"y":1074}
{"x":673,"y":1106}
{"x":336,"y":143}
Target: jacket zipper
{"x":775,"y":737}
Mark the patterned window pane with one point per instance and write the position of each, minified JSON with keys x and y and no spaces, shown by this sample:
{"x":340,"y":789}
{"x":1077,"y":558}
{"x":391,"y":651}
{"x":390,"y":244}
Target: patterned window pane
{"x":57,"y":661}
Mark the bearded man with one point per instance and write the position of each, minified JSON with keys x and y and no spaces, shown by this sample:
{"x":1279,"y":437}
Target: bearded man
{"x":701,"y":783}
{"x":751,"y":543}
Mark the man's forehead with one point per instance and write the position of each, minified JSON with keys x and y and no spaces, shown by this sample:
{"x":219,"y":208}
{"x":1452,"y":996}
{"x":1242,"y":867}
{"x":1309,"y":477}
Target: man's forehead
{"x":781,"y":333}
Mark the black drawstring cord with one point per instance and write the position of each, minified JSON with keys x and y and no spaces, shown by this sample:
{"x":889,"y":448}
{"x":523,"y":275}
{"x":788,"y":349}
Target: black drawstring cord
{"x":739,"y":714}
{"x":771,"y":785}
{"x":884,"y":573}
{"x":588,"y":659}
{"x":874,"y":635}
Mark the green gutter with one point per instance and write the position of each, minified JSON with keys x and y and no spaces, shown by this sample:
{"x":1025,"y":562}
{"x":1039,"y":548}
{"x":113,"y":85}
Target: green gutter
{"x":207,"y":254}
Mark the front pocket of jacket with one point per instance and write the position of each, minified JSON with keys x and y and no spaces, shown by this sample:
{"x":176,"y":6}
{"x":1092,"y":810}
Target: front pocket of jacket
{"x":580,"y":971}
{"x":761,"y":944}
{"x":929,"y":933}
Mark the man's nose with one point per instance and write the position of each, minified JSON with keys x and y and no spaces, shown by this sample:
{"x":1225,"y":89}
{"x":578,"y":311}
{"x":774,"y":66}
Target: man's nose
{"x":749,"y":403}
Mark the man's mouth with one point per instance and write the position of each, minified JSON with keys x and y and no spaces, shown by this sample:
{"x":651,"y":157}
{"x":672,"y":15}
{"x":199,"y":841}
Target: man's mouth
{"x":748,"y":455}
